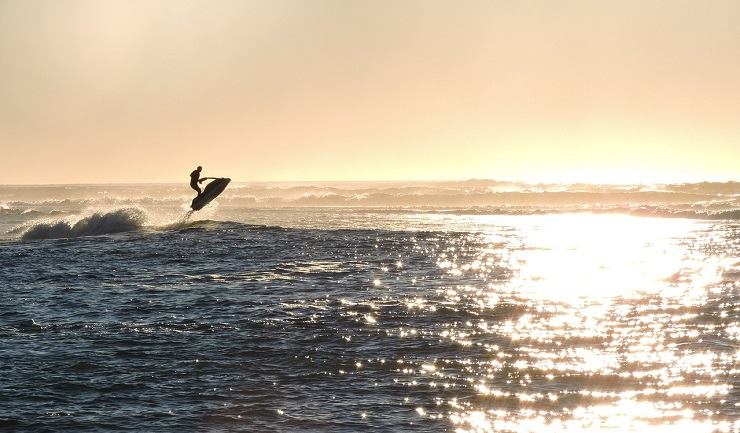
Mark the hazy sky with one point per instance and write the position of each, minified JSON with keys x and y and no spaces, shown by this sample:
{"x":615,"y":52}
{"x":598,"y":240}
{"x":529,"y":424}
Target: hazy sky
{"x":142,"y":91}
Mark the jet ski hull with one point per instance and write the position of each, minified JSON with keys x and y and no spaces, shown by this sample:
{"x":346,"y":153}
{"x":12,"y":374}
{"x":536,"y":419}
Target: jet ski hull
{"x":211,"y":191}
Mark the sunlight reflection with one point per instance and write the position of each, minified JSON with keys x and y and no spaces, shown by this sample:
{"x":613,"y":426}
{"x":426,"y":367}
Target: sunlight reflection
{"x":588,"y":323}
{"x":583,"y":255}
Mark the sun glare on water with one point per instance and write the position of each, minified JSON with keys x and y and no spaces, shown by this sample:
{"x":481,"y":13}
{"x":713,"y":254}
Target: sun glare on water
{"x":606,"y":334}
{"x":574,"y":256}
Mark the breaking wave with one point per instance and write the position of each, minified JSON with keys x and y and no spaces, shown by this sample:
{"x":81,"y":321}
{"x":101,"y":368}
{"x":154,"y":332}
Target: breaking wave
{"x":117,"y":221}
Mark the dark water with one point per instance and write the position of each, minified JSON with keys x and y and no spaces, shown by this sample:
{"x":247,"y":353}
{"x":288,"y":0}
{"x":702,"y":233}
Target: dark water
{"x":506,"y":325}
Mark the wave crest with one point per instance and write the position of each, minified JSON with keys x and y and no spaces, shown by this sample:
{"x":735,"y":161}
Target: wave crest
{"x":117,"y":221}
{"x":641,"y":211}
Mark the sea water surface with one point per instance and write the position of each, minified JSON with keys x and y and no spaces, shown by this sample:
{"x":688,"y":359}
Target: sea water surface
{"x":346,"y":308}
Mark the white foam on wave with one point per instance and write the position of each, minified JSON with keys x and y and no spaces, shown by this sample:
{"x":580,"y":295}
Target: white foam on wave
{"x":97,"y":223}
{"x":100,"y":222}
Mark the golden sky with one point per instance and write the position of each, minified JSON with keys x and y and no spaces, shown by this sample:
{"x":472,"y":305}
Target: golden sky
{"x":589,"y":90}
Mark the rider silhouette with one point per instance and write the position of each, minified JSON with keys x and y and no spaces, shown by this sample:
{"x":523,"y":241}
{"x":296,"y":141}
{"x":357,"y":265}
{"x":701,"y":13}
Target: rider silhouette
{"x":195,"y":178}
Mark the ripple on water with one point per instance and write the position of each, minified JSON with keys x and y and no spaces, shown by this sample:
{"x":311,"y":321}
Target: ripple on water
{"x":536,"y":324}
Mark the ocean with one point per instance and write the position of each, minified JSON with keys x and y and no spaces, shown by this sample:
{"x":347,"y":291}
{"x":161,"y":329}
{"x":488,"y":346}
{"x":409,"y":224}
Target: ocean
{"x":475,"y":306}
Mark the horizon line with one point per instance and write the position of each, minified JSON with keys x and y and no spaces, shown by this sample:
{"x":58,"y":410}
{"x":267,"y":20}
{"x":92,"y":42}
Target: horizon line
{"x":522,"y":182}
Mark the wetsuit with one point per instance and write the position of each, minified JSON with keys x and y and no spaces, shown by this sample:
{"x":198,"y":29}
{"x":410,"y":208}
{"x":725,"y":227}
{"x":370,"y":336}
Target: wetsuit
{"x":194,"y":180}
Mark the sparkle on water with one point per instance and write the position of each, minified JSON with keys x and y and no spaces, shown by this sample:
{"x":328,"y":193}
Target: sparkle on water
{"x":609,"y":337}
{"x":437,"y":322}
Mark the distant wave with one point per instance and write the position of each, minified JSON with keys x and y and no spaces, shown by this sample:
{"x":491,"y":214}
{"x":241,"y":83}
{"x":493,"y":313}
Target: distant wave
{"x":686,"y":213}
{"x":454,"y":194}
{"x":29,"y":212}
{"x":643,"y":211}
{"x":381,"y":198}
{"x":707,"y":200}
{"x":106,"y":201}
{"x":117,"y":221}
